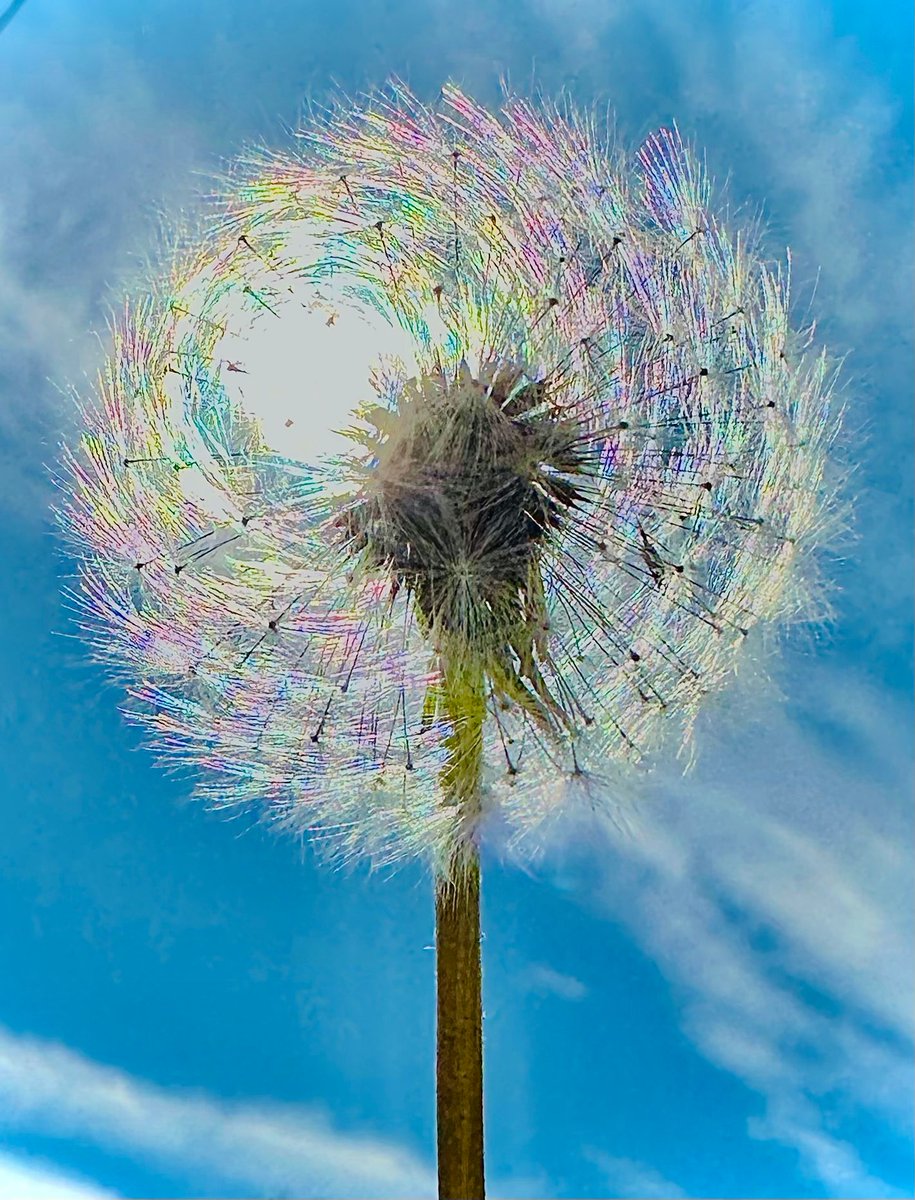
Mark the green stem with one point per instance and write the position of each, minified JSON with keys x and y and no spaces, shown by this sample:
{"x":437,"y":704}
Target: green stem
{"x":459,"y":1001}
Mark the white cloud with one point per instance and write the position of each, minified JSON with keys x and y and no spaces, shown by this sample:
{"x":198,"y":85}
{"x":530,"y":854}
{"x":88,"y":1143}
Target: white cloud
{"x":774,"y":888}
{"x":26,"y":1178}
{"x":626,"y":1177}
{"x":791,"y":114}
{"x":833,"y":1161}
{"x":87,"y":158}
{"x":790,"y":108}
{"x":273,"y":1149}
{"x":543,"y":979}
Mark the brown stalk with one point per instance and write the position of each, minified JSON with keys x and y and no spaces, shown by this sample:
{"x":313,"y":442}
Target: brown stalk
{"x":459,"y":1032}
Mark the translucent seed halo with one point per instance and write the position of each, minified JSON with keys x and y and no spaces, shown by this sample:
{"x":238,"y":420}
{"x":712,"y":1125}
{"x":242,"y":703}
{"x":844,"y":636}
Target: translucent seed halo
{"x":445,"y":384}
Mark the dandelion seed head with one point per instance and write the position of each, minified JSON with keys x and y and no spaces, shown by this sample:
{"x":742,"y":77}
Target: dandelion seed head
{"x":451,"y":417}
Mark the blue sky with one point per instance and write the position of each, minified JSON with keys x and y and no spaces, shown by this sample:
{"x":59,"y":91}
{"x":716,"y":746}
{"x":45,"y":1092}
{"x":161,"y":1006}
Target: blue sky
{"x":716,"y":1003}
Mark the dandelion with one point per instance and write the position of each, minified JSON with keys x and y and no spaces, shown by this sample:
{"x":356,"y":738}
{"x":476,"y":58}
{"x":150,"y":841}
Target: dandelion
{"x":444,"y":477}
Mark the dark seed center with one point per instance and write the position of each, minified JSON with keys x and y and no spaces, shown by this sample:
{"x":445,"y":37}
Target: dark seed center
{"x":463,"y":495}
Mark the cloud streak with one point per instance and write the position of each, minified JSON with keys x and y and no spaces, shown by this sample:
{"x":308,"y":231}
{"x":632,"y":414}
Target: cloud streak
{"x":273,"y":1149}
{"x":626,"y":1177}
{"x":788,"y":112}
{"x":773,"y":886}
{"x":544,"y":980}
{"x":31,"y":1179}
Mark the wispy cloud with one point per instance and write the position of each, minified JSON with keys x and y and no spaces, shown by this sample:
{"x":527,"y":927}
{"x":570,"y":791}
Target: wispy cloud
{"x":785,"y":106}
{"x":626,"y":1177}
{"x":774,"y":888}
{"x":88,"y":156}
{"x":789,"y":114}
{"x":26,"y":1178}
{"x":545,"y":980}
{"x":269,"y":1148}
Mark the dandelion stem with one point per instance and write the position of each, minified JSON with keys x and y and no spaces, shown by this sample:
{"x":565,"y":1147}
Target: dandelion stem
{"x":459,"y":1062}
{"x":459,"y":1029}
